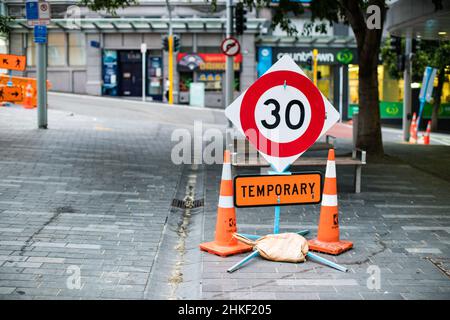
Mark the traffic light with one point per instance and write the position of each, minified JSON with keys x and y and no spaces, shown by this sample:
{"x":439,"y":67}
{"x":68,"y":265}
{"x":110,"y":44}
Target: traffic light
{"x":241,"y":20}
{"x":309,"y":64}
{"x":415,"y":45}
{"x":401,"y":62}
{"x":396,"y":44}
{"x":165,"y":44}
{"x":176,"y":43}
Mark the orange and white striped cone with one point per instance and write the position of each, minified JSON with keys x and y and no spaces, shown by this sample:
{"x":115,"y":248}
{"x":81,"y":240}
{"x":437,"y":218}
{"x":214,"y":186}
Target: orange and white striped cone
{"x":413,"y":129}
{"x":327,"y":240}
{"x":28,"y":99}
{"x":225,"y":244}
{"x":426,"y":137}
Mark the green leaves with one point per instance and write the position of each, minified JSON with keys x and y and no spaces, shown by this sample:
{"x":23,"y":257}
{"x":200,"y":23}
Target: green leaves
{"x":5,"y":25}
{"x":109,"y":6}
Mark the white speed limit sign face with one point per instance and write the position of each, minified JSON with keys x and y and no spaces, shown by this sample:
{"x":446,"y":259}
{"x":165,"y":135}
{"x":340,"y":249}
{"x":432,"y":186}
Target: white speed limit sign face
{"x":282,"y":114}
{"x":276,"y":112}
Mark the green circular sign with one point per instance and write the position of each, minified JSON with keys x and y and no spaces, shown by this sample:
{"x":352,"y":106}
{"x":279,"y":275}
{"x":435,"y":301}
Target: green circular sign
{"x":344,"y":56}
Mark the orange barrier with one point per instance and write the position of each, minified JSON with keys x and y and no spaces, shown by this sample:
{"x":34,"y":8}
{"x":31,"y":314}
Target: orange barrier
{"x":327,"y":240}
{"x":225,"y":244}
{"x":27,"y":101}
{"x":23,"y":82}
{"x":13,"y":62}
{"x":426,"y":137}
{"x":413,"y":129}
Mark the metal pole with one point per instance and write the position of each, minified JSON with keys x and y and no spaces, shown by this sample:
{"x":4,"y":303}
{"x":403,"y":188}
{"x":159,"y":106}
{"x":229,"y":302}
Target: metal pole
{"x":315,"y":54}
{"x":229,"y":73}
{"x":341,"y":93}
{"x":170,"y":40}
{"x":41,"y":78}
{"x":407,"y":88}
{"x":144,"y":78}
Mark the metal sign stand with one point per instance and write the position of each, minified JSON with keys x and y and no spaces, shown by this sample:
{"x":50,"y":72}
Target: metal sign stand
{"x":276,"y":230}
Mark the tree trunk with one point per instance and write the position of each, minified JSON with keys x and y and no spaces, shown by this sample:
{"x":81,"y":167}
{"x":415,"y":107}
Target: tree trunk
{"x":437,"y":100}
{"x":369,"y":41}
{"x":369,"y":124}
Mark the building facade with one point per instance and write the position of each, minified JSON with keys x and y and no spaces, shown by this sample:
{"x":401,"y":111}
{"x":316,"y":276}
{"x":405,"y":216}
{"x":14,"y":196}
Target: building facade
{"x":98,"y":54}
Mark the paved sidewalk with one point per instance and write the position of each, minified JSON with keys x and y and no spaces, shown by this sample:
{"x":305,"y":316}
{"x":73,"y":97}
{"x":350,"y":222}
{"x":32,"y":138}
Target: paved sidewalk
{"x":400,"y":223}
{"x":89,"y":195}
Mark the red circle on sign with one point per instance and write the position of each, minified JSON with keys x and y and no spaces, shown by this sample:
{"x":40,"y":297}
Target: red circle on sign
{"x":251,"y":97}
{"x":224,"y":51}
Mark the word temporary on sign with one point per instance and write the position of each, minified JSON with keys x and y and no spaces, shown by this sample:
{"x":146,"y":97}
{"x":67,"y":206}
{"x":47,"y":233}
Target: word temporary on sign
{"x":10,"y":93}
{"x":12,"y":62}
{"x":278,"y":190}
{"x":282,"y":114}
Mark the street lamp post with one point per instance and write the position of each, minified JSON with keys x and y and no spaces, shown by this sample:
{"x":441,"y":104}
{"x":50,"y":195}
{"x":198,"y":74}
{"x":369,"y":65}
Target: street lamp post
{"x":170,"y":43}
{"x":407,"y":88}
{"x":144,"y":78}
{"x":229,"y":72}
{"x":41,"y":77}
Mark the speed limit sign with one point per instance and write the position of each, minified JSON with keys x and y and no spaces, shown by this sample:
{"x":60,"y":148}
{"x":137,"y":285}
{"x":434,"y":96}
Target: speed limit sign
{"x":282,"y":114}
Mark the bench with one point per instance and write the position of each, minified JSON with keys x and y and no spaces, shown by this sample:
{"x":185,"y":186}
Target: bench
{"x":245,"y":156}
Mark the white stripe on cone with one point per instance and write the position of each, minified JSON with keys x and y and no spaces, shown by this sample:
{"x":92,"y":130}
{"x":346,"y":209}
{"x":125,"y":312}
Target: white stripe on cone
{"x":226,"y":171}
{"x":331,"y":169}
{"x":329,"y":200}
{"x":226,"y":202}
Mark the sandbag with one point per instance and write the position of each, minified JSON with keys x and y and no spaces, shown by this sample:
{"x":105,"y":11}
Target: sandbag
{"x":282,"y":247}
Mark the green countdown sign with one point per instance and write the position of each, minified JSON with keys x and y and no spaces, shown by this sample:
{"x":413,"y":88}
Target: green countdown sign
{"x":344,"y":56}
{"x":394,"y":110}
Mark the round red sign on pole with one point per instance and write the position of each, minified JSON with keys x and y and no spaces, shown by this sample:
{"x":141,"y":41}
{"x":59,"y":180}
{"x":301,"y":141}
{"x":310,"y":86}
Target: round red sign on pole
{"x":268,"y":116}
{"x":230,"y":46}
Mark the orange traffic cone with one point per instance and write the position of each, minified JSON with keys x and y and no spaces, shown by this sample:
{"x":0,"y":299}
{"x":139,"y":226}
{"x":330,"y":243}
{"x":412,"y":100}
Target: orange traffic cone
{"x":327,"y":240}
{"x":28,"y":99}
{"x":413,"y":129}
{"x":426,"y":137}
{"x":225,"y":244}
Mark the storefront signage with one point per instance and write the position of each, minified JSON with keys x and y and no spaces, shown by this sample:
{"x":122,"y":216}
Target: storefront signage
{"x":264,"y":60}
{"x":344,"y":56}
{"x":326,"y":55}
{"x":188,"y":62}
{"x":109,"y":86}
{"x":394,"y":110}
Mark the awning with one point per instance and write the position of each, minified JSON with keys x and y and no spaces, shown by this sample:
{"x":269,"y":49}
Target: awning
{"x":419,"y":18}
{"x":179,"y":25}
{"x":316,"y":41}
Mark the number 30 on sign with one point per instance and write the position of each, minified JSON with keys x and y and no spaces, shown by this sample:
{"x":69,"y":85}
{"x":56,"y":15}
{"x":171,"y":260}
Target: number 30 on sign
{"x":282,"y":114}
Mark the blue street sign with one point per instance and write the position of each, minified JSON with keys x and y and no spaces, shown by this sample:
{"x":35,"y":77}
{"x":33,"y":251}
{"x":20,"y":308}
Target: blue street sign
{"x":427,"y":84}
{"x":32,"y":10}
{"x":40,"y":34}
{"x":426,"y":90}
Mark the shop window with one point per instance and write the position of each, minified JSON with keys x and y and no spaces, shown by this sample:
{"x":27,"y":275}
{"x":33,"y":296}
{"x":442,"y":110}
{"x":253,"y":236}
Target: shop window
{"x":212,"y":80}
{"x":56,"y":49}
{"x":77,"y":49}
{"x":186,"y":78}
{"x":390,"y":90}
{"x":237,"y":81}
{"x":325,"y":79}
